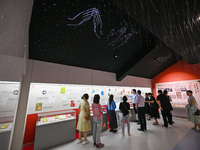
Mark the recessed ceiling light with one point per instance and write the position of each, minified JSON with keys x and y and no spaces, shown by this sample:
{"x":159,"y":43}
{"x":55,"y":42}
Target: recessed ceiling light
{"x":198,"y":18}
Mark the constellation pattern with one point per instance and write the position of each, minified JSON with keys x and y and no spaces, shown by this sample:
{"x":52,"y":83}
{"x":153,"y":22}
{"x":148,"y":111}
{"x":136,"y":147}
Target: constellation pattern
{"x":114,"y":39}
{"x":121,"y":37}
{"x":86,"y":15}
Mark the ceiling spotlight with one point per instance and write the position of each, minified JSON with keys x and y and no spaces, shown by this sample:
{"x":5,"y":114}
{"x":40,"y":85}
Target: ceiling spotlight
{"x":198,"y":19}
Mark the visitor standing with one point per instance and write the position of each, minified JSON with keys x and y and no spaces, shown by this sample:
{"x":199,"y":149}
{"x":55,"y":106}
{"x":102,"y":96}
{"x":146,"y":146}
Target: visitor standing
{"x":147,"y":106}
{"x":134,"y":97}
{"x":192,"y":106}
{"x":84,"y":119}
{"x":97,"y":121}
{"x":140,"y":106}
{"x":154,"y":113}
{"x":112,"y":114}
{"x":125,"y":107}
{"x":170,"y":105}
{"x":164,"y":105}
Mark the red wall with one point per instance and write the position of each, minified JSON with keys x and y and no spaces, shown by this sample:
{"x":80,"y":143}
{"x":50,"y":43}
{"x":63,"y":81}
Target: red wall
{"x":178,"y":72}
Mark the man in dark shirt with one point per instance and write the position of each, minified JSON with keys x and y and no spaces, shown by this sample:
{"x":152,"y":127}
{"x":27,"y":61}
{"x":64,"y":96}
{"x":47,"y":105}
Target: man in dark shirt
{"x":164,"y":105}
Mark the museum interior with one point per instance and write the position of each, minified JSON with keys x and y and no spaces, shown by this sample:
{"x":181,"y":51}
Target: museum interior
{"x":54,"y":51}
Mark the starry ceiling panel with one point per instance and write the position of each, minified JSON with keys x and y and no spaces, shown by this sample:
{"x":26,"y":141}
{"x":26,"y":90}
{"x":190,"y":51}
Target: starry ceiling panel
{"x":90,"y":34}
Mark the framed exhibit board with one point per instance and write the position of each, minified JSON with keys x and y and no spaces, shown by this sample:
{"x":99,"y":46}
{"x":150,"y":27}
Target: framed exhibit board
{"x":8,"y":98}
{"x":45,"y":97}
{"x":177,"y":91}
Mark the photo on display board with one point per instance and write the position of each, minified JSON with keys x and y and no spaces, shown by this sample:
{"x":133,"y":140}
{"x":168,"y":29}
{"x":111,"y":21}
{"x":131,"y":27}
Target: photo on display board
{"x":72,"y":103}
{"x":179,"y":95}
{"x":172,"y":96}
{"x":168,"y":89}
{"x":62,"y":90}
{"x":4,"y":126}
{"x":38,"y":107}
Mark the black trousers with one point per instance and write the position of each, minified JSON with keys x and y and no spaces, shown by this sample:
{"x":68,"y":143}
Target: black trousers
{"x":142,"y":119}
{"x":135,"y":110}
{"x":167,"y":117}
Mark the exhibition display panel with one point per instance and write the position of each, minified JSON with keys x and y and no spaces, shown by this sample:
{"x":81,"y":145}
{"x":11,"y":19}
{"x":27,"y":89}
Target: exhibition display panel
{"x":6,"y":126}
{"x":54,"y":128}
{"x":47,"y":101}
{"x":8,"y":101}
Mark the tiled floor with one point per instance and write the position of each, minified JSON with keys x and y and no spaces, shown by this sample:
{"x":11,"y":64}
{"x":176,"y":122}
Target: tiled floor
{"x":156,"y":138}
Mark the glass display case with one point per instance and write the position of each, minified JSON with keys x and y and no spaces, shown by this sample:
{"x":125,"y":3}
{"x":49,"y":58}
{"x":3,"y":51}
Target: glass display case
{"x":53,"y":117}
{"x":55,"y":128}
{"x":6,"y":123}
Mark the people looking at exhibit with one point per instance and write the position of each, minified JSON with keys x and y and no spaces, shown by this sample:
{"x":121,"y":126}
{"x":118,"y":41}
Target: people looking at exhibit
{"x":154,"y":112}
{"x":97,"y":121}
{"x":164,"y":105}
{"x":140,"y":106}
{"x":170,"y":100}
{"x":112,"y":114}
{"x":84,"y":119}
{"x":134,"y":97}
{"x":193,"y":110}
{"x":147,"y":107}
{"x":125,"y":107}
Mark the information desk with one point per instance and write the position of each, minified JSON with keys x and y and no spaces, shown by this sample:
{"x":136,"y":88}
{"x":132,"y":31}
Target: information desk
{"x":5,"y":134}
{"x":52,"y":132}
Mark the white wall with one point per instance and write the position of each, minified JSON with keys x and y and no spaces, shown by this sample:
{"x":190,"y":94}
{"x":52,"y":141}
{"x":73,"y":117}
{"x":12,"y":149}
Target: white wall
{"x":44,"y":72}
{"x":11,"y":68}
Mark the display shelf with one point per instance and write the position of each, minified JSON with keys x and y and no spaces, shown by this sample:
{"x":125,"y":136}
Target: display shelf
{"x":55,"y":128}
{"x":5,"y":127}
{"x":55,"y":117}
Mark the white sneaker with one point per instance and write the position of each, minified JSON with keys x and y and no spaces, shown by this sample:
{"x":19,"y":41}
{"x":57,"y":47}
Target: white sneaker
{"x":79,"y":141}
{"x":86,"y":142}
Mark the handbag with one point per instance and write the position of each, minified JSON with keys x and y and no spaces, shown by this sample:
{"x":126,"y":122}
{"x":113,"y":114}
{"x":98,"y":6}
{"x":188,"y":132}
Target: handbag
{"x":155,"y":105}
{"x":103,"y":124}
{"x":197,"y":113}
{"x":130,"y":115}
{"x":86,"y":118}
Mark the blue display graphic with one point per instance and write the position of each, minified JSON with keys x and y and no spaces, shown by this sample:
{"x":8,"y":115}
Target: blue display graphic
{"x":115,"y":39}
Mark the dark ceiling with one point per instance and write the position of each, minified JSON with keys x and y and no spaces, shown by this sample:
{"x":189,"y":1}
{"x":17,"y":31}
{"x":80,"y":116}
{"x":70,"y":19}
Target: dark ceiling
{"x":125,"y":37}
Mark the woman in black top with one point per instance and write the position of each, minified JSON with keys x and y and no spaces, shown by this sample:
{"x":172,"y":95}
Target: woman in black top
{"x":147,"y":106}
{"x":154,"y":113}
{"x":125,"y":107}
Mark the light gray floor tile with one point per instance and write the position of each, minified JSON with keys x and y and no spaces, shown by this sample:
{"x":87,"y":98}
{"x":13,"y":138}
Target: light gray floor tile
{"x":156,"y":138}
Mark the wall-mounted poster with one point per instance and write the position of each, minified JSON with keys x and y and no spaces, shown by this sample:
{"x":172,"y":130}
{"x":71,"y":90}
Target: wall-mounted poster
{"x":177,"y":90}
{"x":45,"y":97}
{"x":8,"y":98}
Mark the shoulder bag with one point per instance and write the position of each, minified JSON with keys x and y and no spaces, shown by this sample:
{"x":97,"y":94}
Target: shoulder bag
{"x":130,"y":115}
